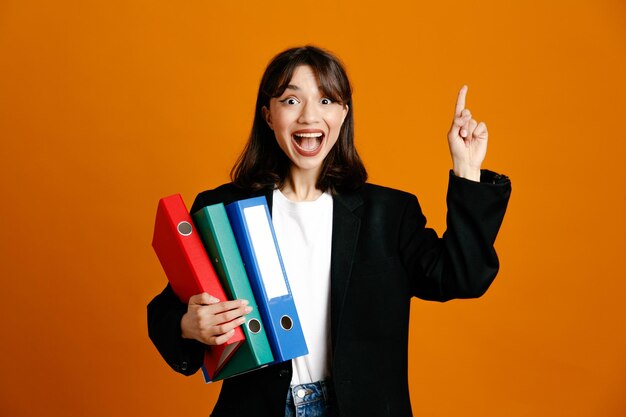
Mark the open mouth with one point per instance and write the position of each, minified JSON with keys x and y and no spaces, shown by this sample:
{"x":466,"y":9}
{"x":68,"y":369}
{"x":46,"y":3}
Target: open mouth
{"x":308,"y":143}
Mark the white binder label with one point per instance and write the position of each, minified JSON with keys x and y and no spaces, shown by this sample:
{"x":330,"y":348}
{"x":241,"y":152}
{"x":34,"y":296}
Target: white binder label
{"x":265,"y":251}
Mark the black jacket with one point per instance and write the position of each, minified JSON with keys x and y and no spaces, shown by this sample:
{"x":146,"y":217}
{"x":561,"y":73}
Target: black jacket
{"x":382,"y":255}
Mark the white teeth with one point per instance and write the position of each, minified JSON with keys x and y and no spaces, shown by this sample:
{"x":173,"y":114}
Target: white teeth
{"x":308,"y":135}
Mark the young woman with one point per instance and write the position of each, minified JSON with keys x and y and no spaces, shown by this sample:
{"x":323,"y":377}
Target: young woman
{"x":355,"y":253}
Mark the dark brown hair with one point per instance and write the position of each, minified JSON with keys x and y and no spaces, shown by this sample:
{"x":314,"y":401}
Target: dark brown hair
{"x":262,"y":164}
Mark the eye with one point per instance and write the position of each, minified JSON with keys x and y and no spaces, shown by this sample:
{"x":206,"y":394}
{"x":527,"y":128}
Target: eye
{"x":290,"y":101}
{"x":326,"y":100}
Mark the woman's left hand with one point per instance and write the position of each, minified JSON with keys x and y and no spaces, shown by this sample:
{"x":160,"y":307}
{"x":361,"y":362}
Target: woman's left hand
{"x":468,"y":141}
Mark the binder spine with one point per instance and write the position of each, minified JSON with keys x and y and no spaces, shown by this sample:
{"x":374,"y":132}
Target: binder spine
{"x":267,"y":276}
{"x":217,"y":236}
{"x":245,"y":248}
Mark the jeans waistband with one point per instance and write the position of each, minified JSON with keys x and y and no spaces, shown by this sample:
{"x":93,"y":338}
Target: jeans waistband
{"x":309,"y":392}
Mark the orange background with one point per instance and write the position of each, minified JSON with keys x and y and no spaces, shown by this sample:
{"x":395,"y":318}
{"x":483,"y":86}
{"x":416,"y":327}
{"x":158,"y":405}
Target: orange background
{"x":107,"y":106}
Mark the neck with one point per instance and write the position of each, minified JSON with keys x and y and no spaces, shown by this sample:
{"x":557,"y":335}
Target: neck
{"x":300,"y":185}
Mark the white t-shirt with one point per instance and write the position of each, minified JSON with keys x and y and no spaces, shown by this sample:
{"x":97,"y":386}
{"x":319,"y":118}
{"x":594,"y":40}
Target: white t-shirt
{"x":304,"y":233}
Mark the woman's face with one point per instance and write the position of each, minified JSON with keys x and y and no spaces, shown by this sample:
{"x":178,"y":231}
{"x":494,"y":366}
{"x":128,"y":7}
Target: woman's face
{"x":305,"y":122}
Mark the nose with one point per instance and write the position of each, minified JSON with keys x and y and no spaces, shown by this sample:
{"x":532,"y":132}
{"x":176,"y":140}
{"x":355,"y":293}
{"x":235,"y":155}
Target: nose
{"x":310,"y":113}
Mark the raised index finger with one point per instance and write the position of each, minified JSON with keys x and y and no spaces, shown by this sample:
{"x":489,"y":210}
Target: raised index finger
{"x":460,"y":101}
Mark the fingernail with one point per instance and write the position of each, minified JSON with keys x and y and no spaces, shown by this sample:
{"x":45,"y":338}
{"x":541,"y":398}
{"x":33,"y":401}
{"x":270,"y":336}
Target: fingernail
{"x":244,"y":302}
{"x":215,"y":299}
{"x":241,"y":320}
{"x":248,"y":309}
{"x":463,"y":132}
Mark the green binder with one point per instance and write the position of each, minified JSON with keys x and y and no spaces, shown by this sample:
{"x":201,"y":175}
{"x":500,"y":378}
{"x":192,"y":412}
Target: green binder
{"x":218,"y":239}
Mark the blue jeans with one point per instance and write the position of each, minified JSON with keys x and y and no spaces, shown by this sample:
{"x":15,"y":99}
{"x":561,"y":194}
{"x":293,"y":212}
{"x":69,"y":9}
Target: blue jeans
{"x":310,"y":400}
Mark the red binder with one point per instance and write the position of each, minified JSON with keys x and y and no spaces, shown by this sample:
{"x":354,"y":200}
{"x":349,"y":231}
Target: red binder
{"x":189,"y":270}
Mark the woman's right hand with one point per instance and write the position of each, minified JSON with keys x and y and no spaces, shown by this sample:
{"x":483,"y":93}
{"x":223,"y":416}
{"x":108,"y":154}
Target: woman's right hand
{"x":210,"y":321}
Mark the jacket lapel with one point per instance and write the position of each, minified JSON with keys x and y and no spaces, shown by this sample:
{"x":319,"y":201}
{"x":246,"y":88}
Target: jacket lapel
{"x":345,"y":235}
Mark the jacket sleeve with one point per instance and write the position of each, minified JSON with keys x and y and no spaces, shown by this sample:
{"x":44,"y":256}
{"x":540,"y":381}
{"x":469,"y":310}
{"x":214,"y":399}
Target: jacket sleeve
{"x":164,"y":314}
{"x":463,"y":263}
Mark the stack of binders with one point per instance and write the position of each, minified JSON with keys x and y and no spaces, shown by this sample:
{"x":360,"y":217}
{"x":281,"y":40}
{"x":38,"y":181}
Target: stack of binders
{"x":240,"y":242}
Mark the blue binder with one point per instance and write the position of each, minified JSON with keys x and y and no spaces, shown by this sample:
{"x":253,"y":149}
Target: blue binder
{"x":252,"y":226}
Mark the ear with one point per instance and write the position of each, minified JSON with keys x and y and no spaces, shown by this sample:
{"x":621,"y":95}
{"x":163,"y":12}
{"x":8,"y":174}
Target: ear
{"x":346,"y":109}
{"x":267,"y":116}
